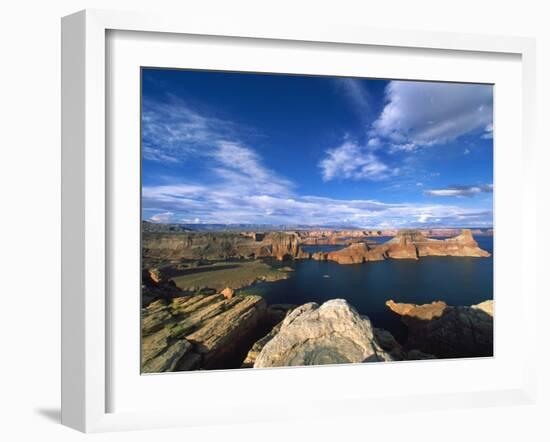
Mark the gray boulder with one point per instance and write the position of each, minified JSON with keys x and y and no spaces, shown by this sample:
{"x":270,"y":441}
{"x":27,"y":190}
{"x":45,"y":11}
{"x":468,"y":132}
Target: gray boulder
{"x":333,"y":333}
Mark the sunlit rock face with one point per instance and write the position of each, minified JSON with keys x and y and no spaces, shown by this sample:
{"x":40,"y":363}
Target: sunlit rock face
{"x":332,"y":333}
{"x":285,"y":245}
{"x":412,"y":244}
{"x":201,"y":331}
{"x":223,"y":245}
{"x":356,"y":253}
{"x":407,"y":244}
{"x":461,"y":245}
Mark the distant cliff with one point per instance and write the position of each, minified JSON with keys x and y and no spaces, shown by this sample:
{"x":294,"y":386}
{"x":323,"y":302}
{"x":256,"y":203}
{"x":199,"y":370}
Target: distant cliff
{"x":149,"y":227}
{"x":407,"y":244}
{"x":222,"y":245}
{"x":357,"y":253}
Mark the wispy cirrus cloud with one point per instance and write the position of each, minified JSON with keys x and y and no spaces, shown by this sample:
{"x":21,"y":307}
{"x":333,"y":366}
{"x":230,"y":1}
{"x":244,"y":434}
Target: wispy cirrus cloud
{"x":358,"y":95}
{"x":241,"y":166}
{"x":170,"y":129}
{"x":173,"y":132}
{"x":460,"y":191}
{"x":418,"y":114}
{"x":353,"y":161}
{"x":216,"y":203}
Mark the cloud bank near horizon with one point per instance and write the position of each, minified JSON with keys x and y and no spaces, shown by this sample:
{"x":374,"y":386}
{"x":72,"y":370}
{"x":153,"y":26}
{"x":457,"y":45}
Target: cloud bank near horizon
{"x":189,"y":203}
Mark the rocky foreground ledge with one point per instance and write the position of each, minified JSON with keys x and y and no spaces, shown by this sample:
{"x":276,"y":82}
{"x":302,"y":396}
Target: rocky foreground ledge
{"x":448,"y":331}
{"x":203,"y":331}
{"x":231,"y":331}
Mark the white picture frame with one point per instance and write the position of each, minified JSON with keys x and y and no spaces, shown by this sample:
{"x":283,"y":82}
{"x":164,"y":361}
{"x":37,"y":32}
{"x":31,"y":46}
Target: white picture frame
{"x":86,"y":352}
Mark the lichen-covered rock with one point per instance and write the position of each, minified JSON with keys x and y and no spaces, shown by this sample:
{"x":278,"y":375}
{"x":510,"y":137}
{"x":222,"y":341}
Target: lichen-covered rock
{"x":160,"y":353}
{"x":200,"y":331}
{"x":448,"y":331}
{"x":332,"y":333}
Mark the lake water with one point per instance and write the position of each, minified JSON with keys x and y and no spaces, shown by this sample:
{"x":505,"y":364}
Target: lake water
{"x":455,"y":280}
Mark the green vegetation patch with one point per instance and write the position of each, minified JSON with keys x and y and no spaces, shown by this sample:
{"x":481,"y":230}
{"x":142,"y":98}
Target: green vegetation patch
{"x":233,"y":274}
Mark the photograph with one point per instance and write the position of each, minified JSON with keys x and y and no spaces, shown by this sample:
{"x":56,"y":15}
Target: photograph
{"x":293,"y":220}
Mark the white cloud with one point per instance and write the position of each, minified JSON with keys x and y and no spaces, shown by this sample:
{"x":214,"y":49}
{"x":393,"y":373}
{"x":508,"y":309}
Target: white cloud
{"x":404,"y":147}
{"x":173,"y":132}
{"x":164,"y":217}
{"x":217,"y":203}
{"x":374,"y":143}
{"x":426,"y":113}
{"x":357,"y":94}
{"x":423,"y":217}
{"x":488,"y":134}
{"x":174,"y":129}
{"x":352,"y":161}
{"x":241,"y":166}
{"x":461,"y":190}
{"x":156,"y":154}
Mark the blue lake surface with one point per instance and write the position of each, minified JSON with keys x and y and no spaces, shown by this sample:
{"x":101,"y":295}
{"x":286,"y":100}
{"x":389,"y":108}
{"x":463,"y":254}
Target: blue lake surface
{"x":323,"y":248}
{"x":455,"y":280}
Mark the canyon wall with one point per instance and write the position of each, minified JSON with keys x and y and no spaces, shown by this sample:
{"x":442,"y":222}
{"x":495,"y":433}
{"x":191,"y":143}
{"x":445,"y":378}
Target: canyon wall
{"x":407,"y":244}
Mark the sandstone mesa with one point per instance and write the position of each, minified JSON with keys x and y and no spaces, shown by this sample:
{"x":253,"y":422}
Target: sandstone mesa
{"x":408,"y":244}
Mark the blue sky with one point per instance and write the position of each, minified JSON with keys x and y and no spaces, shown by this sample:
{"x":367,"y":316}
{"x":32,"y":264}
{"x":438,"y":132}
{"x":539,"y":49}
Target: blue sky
{"x":280,"y":149}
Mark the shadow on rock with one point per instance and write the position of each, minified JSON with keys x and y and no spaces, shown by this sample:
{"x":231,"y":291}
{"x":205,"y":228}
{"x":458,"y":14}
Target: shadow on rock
{"x":448,"y":331}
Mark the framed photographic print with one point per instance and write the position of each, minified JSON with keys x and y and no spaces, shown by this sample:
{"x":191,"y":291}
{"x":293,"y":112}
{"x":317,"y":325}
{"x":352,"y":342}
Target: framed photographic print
{"x":251,"y":209}
{"x":280,"y":213}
